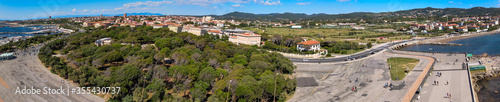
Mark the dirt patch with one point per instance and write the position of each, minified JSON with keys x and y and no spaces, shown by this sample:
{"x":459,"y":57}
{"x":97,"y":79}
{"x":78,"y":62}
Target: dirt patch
{"x":4,"y":84}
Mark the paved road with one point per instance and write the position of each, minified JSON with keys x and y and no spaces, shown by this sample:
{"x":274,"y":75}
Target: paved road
{"x":341,"y":59}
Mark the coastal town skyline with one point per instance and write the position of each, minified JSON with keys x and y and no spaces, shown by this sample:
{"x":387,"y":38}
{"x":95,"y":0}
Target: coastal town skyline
{"x":15,"y":10}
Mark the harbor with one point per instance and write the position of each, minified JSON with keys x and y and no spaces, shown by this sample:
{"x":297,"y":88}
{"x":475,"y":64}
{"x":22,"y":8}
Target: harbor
{"x":13,"y":33}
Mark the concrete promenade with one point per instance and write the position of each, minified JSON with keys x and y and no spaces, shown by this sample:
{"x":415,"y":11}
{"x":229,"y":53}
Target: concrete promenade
{"x":450,"y":65}
{"x":334,"y":81}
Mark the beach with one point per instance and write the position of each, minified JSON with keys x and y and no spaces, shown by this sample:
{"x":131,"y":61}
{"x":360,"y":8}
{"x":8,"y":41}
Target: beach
{"x":448,"y":38}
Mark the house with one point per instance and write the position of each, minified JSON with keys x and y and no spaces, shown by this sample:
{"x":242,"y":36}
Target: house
{"x":485,"y":26}
{"x":296,"y":27}
{"x":249,"y":39}
{"x":462,"y":29}
{"x":87,"y":24}
{"x":438,"y":27}
{"x":156,"y":26}
{"x":215,"y":32}
{"x":310,"y":45}
{"x":103,"y":41}
{"x":99,"y":24}
{"x":474,"y":27}
{"x":198,"y":31}
{"x":246,"y":38}
{"x":448,"y":26}
{"x":174,"y":28}
{"x":423,"y":27}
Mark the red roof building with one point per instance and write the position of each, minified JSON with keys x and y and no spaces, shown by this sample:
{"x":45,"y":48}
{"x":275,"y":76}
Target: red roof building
{"x":310,"y":42}
{"x":310,"y":45}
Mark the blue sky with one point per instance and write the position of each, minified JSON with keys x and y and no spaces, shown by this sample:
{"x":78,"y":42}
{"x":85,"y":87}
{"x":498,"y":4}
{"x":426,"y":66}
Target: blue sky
{"x":29,"y":9}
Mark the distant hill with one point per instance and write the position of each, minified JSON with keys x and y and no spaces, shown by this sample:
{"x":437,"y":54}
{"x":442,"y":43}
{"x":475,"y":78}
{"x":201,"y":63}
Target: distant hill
{"x":419,"y":12}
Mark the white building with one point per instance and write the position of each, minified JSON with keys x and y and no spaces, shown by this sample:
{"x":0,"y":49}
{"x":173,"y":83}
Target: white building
{"x":310,"y":45}
{"x":103,"y":41}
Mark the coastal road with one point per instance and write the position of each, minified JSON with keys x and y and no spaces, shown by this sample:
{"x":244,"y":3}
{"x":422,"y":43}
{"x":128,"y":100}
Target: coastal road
{"x":345,"y":58}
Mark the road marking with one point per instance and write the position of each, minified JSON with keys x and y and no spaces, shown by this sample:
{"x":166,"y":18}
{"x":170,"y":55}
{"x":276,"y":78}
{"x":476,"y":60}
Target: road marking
{"x":3,"y":84}
{"x":314,"y":90}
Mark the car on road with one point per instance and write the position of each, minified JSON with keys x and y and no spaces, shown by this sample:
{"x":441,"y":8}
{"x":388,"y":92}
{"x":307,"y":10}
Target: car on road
{"x":305,"y":60}
{"x":372,"y":52}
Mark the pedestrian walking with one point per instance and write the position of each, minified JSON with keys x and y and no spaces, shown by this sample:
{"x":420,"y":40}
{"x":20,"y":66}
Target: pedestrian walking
{"x":437,"y":82}
{"x":446,"y":82}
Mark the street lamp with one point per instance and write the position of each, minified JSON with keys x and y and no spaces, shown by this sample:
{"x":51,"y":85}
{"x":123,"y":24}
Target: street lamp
{"x":227,"y":97}
{"x":142,"y":88}
{"x":274,"y":95}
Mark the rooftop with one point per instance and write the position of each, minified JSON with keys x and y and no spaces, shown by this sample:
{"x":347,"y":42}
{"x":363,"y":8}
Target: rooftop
{"x":310,"y":42}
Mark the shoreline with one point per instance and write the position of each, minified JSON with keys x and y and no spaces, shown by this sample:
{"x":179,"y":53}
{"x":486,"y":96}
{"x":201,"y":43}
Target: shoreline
{"x":460,"y":37}
{"x":480,"y":79}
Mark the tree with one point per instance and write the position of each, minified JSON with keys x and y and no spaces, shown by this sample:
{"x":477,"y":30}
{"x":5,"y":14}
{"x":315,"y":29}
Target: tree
{"x":369,"y":45}
{"x":213,"y":63}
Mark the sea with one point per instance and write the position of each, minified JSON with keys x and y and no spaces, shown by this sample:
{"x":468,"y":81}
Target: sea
{"x":17,"y":29}
{"x":489,"y":44}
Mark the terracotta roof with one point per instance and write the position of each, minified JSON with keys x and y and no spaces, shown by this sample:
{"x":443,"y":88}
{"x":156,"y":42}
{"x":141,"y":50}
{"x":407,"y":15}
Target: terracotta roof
{"x":247,"y":34}
{"x":214,"y":31}
{"x":310,"y":42}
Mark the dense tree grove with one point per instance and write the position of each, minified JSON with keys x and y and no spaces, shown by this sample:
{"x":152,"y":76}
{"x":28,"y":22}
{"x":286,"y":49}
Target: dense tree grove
{"x":159,"y":65}
{"x":27,"y":43}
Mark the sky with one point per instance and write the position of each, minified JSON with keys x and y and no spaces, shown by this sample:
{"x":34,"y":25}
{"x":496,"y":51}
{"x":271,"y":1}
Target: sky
{"x":31,"y":9}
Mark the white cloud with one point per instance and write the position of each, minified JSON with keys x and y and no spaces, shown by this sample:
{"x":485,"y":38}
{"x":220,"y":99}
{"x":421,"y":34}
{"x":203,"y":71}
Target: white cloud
{"x":85,"y":10}
{"x":270,"y":2}
{"x":143,"y":4}
{"x":303,"y":3}
{"x":238,"y":5}
{"x":343,"y":0}
{"x":451,"y":2}
{"x":74,"y":10}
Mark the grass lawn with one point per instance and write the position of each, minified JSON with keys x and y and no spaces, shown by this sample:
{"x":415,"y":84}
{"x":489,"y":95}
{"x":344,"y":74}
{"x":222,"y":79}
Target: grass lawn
{"x":309,"y":32}
{"x":399,"y":65}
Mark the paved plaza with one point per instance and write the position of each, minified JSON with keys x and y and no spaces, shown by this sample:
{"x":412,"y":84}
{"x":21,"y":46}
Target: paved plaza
{"x":27,"y":70}
{"x":336,"y":80}
{"x":450,"y":65}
